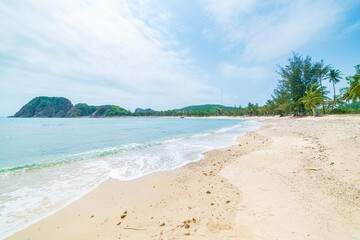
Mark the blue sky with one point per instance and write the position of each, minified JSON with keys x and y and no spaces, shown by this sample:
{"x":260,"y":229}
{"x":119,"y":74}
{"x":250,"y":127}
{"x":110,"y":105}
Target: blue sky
{"x":166,"y":54}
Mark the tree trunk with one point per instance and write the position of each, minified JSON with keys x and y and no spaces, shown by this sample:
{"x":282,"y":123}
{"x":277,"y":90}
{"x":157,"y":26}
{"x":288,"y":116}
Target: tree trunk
{"x":314,"y":112}
{"x":334,"y":104}
{"x":323,"y":105}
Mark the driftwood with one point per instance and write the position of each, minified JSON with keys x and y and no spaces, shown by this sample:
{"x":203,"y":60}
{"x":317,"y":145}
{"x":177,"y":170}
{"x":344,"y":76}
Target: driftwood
{"x":138,"y":229}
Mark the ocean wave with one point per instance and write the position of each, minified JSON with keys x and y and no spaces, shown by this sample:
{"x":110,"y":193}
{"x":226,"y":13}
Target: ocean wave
{"x":80,"y":156}
{"x":110,"y":151}
{"x":62,"y":181}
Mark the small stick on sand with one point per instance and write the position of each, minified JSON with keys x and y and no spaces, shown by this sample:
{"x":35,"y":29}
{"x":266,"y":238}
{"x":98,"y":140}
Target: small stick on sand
{"x":138,"y":229}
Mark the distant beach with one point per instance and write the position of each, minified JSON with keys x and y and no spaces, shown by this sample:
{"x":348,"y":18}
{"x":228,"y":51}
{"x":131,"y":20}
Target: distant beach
{"x":295,"y":178}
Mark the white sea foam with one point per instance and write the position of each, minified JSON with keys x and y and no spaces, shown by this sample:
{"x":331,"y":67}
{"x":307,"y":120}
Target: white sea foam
{"x":42,"y":190}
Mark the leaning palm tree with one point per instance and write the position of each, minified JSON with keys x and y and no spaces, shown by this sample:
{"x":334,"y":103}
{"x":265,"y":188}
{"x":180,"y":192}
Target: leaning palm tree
{"x":334,"y":77}
{"x":345,"y":92}
{"x":353,"y":91}
{"x":314,"y":96}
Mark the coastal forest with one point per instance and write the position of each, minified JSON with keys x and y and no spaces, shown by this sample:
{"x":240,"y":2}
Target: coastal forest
{"x":300,"y":91}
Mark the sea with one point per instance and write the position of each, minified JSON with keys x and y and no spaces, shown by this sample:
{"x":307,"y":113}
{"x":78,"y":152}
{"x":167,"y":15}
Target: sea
{"x":47,"y":163}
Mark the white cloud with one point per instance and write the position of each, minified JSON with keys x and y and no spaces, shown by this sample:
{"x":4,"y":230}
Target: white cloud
{"x":255,"y":73}
{"x":290,"y":29}
{"x":226,"y":10}
{"x":261,"y":33}
{"x":118,"y":51}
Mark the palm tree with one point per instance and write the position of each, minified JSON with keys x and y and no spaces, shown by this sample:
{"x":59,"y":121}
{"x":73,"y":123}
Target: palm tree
{"x":345,"y":91}
{"x":334,"y":77}
{"x":353,"y":91}
{"x":321,"y":71}
{"x":339,"y":100}
{"x":314,"y":95}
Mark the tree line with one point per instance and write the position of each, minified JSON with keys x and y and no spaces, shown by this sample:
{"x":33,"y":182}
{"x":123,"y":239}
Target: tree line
{"x":300,"y":89}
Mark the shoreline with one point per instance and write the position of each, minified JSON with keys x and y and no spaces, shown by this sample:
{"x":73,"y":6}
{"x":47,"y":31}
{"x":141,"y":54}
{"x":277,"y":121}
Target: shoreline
{"x":216,"y":195}
{"x":250,"y":125}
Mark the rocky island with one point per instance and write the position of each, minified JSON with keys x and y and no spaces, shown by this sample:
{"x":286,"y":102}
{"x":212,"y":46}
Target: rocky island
{"x":46,"y":107}
{"x":62,"y":107}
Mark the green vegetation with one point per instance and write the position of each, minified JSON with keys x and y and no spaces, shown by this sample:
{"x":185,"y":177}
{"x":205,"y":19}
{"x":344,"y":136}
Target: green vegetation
{"x":82,"y":110}
{"x":42,"y":102}
{"x":110,"y":111}
{"x":314,"y":96}
{"x":352,"y":92}
{"x":300,"y":89}
{"x":196,"y":110}
{"x":292,"y":85}
{"x":45,"y":107}
{"x":348,"y":108}
{"x":206,"y":109}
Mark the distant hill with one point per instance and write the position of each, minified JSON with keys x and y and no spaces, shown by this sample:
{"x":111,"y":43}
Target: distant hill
{"x":45,"y":107}
{"x":62,"y":107}
{"x":139,"y":110}
{"x":206,"y":107}
{"x":110,"y":111}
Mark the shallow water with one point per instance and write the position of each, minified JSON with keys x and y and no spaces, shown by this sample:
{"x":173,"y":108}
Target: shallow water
{"x":46,"y":163}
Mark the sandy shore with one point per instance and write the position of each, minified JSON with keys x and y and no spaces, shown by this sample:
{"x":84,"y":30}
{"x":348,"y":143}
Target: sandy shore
{"x":293,"y":179}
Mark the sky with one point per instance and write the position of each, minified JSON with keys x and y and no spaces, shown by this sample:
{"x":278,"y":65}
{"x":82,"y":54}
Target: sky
{"x":166,"y":54}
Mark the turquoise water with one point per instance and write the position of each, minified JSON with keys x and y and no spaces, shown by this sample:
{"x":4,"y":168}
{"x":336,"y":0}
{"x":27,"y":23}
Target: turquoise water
{"x":46,"y":164}
{"x":35,"y":141}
